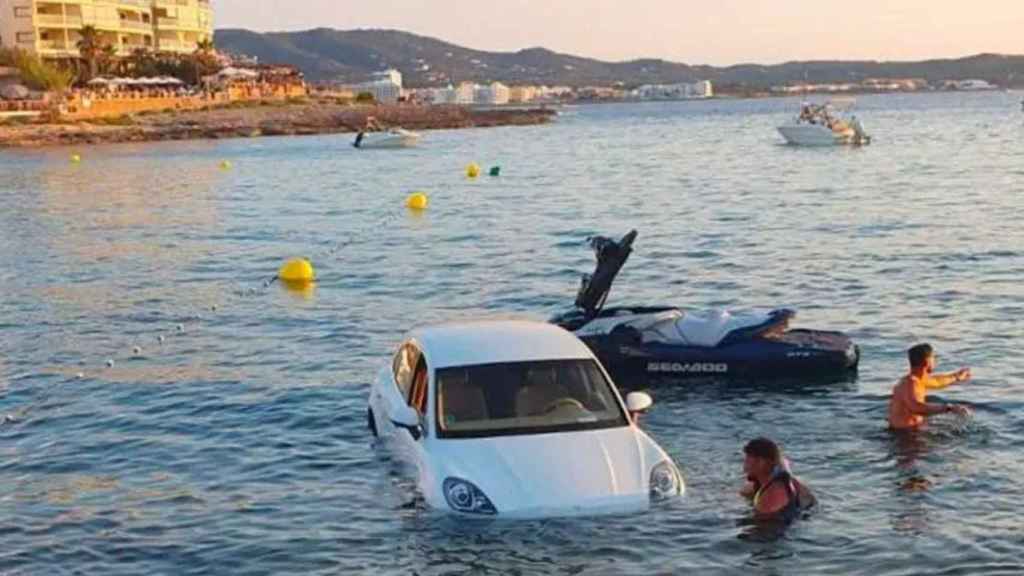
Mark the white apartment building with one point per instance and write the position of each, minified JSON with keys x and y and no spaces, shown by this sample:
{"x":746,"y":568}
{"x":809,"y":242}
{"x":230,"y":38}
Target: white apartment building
{"x":493,"y":93}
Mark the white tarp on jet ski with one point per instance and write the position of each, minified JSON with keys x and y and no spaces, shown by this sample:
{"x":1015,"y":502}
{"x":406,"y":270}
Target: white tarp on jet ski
{"x":706,"y":328}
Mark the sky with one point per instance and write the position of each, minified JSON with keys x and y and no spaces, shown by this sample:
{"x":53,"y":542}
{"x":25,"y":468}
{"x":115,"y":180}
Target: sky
{"x":717,"y":32}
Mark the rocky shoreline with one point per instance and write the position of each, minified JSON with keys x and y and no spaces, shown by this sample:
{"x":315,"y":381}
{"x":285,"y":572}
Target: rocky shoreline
{"x":266,"y":119}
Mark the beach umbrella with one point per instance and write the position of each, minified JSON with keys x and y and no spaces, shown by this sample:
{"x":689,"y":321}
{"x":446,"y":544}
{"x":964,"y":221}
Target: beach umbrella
{"x":232,"y":72}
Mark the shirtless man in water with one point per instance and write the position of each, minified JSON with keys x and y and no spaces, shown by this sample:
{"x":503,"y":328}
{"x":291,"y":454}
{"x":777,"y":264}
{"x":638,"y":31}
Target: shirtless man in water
{"x":908,"y":408}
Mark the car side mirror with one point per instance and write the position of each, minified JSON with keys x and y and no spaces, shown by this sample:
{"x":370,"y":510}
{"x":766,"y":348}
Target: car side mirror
{"x":408,"y":418}
{"x":638,"y":402}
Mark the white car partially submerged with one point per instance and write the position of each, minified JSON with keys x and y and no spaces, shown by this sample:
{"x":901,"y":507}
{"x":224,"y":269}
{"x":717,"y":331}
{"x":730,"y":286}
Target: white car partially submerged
{"x":516,"y":419}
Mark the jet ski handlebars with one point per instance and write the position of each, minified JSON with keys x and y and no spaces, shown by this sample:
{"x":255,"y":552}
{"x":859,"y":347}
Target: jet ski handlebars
{"x":611,"y":255}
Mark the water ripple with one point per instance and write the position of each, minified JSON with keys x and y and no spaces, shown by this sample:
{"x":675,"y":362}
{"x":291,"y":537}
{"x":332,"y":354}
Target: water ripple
{"x":166,"y":411}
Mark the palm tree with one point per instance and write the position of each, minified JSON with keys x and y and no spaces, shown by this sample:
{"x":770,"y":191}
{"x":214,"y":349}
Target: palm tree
{"x":204,"y":46}
{"x":203,"y":61}
{"x":106,"y":59}
{"x":89,"y":47}
{"x":142,"y":62}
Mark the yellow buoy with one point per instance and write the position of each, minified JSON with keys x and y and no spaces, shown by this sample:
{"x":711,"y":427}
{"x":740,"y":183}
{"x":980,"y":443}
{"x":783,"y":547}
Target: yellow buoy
{"x":225,"y":165}
{"x":75,"y":158}
{"x":417,"y":201}
{"x":297,"y":271}
{"x":473,"y":170}
{"x":304,"y":291}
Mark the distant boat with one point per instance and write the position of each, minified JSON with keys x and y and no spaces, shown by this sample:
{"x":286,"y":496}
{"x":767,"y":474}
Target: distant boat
{"x":975,"y":85}
{"x":393,"y":138}
{"x":821,"y":125}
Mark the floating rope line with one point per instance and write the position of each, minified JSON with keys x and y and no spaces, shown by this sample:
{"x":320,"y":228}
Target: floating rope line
{"x":415,"y":203}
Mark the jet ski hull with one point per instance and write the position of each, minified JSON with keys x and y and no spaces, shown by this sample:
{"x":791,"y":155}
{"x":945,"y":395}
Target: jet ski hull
{"x":803,"y":354}
{"x":765,"y":351}
{"x":636,"y":343}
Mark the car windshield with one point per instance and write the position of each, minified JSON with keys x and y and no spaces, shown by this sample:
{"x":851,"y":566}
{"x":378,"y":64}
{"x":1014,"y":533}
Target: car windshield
{"x":525,"y":398}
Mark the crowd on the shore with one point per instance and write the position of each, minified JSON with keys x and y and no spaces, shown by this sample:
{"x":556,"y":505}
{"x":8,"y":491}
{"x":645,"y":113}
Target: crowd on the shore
{"x":134,"y":93}
{"x":26,"y":105}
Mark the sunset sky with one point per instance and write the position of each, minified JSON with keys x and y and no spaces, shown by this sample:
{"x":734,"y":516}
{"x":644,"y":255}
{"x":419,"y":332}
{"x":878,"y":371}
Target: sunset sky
{"x":716,"y":32}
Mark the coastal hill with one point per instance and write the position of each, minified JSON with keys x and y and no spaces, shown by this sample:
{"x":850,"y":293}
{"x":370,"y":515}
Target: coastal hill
{"x":325,"y":54}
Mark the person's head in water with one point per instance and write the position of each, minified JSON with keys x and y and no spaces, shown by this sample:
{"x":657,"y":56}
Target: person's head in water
{"x":760,"y":458}
{"x":922,"y":359}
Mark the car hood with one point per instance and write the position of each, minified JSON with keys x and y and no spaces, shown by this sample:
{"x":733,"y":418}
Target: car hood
{"x":554,"y":474}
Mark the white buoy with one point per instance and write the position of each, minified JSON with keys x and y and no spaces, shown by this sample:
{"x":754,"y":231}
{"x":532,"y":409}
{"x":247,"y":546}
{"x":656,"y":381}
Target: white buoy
{"x":181,"y":327}
{"x":137,"y":350}
{"x":80,"y":375}
{"x":110,"y":363}
{"x":160,"y":338}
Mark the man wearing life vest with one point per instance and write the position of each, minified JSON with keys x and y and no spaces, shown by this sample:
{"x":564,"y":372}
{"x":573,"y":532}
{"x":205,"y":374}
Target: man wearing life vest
{"x":907,"y":407}
{"x":772,"y":488}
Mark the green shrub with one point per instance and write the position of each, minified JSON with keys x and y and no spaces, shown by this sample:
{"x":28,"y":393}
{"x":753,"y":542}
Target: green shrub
{"x":36,"y":74}
{"x":16,"y":121}
{"x":114,"y":121}
{"x":7,"y":56}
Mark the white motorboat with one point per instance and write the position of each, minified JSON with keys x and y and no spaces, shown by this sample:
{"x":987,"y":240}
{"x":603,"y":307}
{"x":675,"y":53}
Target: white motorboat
{"x":820,"y":125}
{"x":393,"y":138}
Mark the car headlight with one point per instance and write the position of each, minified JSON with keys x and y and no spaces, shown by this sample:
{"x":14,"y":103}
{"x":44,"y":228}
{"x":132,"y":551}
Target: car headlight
{"x":465,"y":497}
{"x":664,"y":481}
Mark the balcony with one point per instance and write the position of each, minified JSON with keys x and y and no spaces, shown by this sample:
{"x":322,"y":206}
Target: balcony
{"x":178,"y":24}
{"x":176,"y":46}
{"x":136,"y":25}
{"x":53,"y":45}
{"x":57,"y":48}
{"x":58,"y":21}
{"x":201,"y":5}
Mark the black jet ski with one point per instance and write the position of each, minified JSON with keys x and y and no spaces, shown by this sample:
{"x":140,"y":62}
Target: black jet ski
{"x":668,"y":341}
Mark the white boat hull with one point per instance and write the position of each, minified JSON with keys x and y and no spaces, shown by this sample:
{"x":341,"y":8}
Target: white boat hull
{"x":818,"y":135}
{"x":391,"y":139}
{"x":813,"y":135}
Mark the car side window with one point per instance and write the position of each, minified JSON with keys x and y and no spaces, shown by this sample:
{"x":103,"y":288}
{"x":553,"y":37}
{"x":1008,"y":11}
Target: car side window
{"x":405,"y":360}
{"x":418,"y":397}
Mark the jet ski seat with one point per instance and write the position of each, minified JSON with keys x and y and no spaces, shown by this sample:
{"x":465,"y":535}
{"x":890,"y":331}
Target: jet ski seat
{"x":710,"y":328}
{"x":775,"y":323}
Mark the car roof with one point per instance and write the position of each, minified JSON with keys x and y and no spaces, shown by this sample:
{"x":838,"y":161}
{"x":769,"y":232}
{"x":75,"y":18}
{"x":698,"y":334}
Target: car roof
{"x":497,"y":341}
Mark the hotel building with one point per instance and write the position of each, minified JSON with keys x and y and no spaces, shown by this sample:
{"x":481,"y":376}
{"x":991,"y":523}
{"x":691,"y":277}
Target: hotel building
{"x":51,"y":28}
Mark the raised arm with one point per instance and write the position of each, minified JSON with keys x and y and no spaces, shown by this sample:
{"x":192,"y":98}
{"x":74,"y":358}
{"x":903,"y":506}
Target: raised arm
{"x":940,"y":381}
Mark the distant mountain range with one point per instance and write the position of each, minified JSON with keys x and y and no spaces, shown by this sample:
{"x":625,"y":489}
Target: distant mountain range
{"x":325,"y":54}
